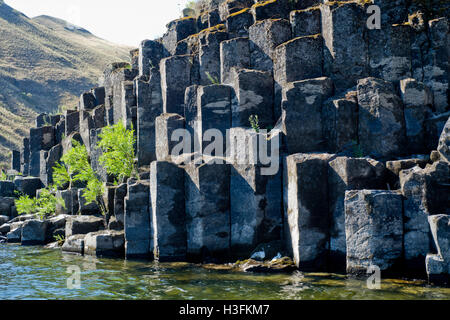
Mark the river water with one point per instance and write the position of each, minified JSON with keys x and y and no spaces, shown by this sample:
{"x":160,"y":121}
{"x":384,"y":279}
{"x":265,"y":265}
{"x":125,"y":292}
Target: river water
{"x":37,"y":273}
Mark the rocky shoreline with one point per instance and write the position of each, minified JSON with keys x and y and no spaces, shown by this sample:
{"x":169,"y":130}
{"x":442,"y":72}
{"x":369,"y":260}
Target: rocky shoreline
{"x":353,"y":171}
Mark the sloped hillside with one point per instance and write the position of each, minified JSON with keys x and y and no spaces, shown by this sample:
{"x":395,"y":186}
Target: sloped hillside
{"x":44,"y":64}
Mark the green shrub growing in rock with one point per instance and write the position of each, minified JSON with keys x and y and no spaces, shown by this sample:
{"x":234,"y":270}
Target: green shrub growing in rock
{"x":43,"y":207}
{"x":117,"y":144}
{"x":75,"y":167}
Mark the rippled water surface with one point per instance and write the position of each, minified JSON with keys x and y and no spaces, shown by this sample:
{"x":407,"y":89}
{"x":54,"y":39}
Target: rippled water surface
{"x":37,"y":273}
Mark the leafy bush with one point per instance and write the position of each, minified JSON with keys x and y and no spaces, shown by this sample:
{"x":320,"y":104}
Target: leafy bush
{"x":76,"y":168}
{"x":26,"y":205}
{"x":117,"y":144}
{"x":42,"y":207}
{"x":3,"y":176}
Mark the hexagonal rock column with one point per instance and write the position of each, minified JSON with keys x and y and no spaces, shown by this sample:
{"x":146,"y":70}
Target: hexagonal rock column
{"x":178,"y":30}
{"x":207,"y":191}
{"x":104,"y":243}
{"x":83,"y":225}
{"x":149,"y":106}
{"x":234,"y":53}
{"x":175,"y":78}
{"x":29,"y":185}
{"x":15,"y":160}
{"x":74,"y":244}
{"x":209,"y":56}
{"x":95,"y":119}
{"x":25,"y":157}
{"x":382,"y":130}
{"x":374,"y":230}
{"x":273,"y":9}
{"x":444,"y":142}
{"x":70,"y":200}
{"x":87,"y":102}
{"x":345,"y":51}
{"x":168,"y":211}
{"x":138,"y":238}
{"x":72,"y":122}
{"x":298,"y":59}
{"x":306,"y":22}
{"x":150,"y":54}
{"x":264,"y":37}
{"x":238,"y":23}
{"x":390,"y":52}
{"x":214,"y":112}
{"x":34,"y":232}
{"x":302,"y":103}
{"x":417,"y":100}
{"x":340,"y":121}
{"x":254,"y":96}
{"x":346,"y":174}
{"x":416,"y":228}
{"x":256,"y":212}
{"x":7,"y":188}
{"x":167,"y":127}
{"x":42,"y":138}
{"x":438,"y":265}
{"x":226,"y":8}
{"x":306,"y":209}
{"x":436,"y":72}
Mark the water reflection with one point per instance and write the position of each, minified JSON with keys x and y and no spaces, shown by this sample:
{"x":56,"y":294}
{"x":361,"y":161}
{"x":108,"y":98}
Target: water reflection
{"x":36,"y":273}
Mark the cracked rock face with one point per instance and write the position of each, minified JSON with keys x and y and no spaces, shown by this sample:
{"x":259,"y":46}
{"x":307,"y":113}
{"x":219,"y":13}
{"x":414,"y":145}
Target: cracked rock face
{"x":444,"y":142}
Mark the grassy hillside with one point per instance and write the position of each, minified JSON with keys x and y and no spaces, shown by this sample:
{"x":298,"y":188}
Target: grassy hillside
{"x":44,"y":65}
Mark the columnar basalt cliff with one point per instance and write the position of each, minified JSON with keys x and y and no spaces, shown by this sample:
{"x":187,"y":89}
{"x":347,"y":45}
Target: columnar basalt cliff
{"x":359,"y":139}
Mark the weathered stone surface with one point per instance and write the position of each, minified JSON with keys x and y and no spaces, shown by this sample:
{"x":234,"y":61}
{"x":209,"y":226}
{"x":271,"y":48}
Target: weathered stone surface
{"x":105,"y":243}
{"x":138,"y":237}
{"x":47,"y":162}
{"x":264,"y":37}
{"x":238,"y":23}
{"x":6,"y":204}
{"x":175,"y":78}
{"x":417,"y":101}
{"x":150,"y":54}
{"x":227,"y":8}
{"x":191,"y":114}
{"x":83,"y":225}
{"x":99,"y":95}
{"x":389,"y":51}
{"x":436,"y":71}
{"x":70,"y":200}
{"x":209,"y":56}
{"x":55,"y":226}
{"x":345,"y":51}
{"x":346,"y":174}
{"x":15,"y":233}
{"x":234,"y":53}
{"x":74,"y":244}
{"x":42,"y":138}
{"x":4,"y":219}
{"x":7,"y":188}
{"x":119,"y":204}
{"x":273,"y":9}
{"x":208,"y":212}
{"x":34,"y":232}
{"x":395,"y":167}
{"x":256,"y":212}
{"x":306,"y":22}
{"x":382,"y":130}
{"x":214,"y":112}
{"x":25,"y":157}
{"x":340,"y":121}
{"x":15,"y":160}
{"x":149,"y":106}
{"x":416,"y":228}
{"x":168,"y":126}
{"x":374,"y":230}
{"x":302,"y":103}
{"x":72,"y":122}
{"x":86,"y":208}
{"x":95,"y":154}
{"x":433,"y":129}
{"x":254,"y":95}
{"x":438,"y":265}
{"x":444,"y":142}
{"x":178,"y":30}
{"x":168,"y":211}
{"x":306,"y":212}
{"x":295,"y":60}
{"x":87,"y":102}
